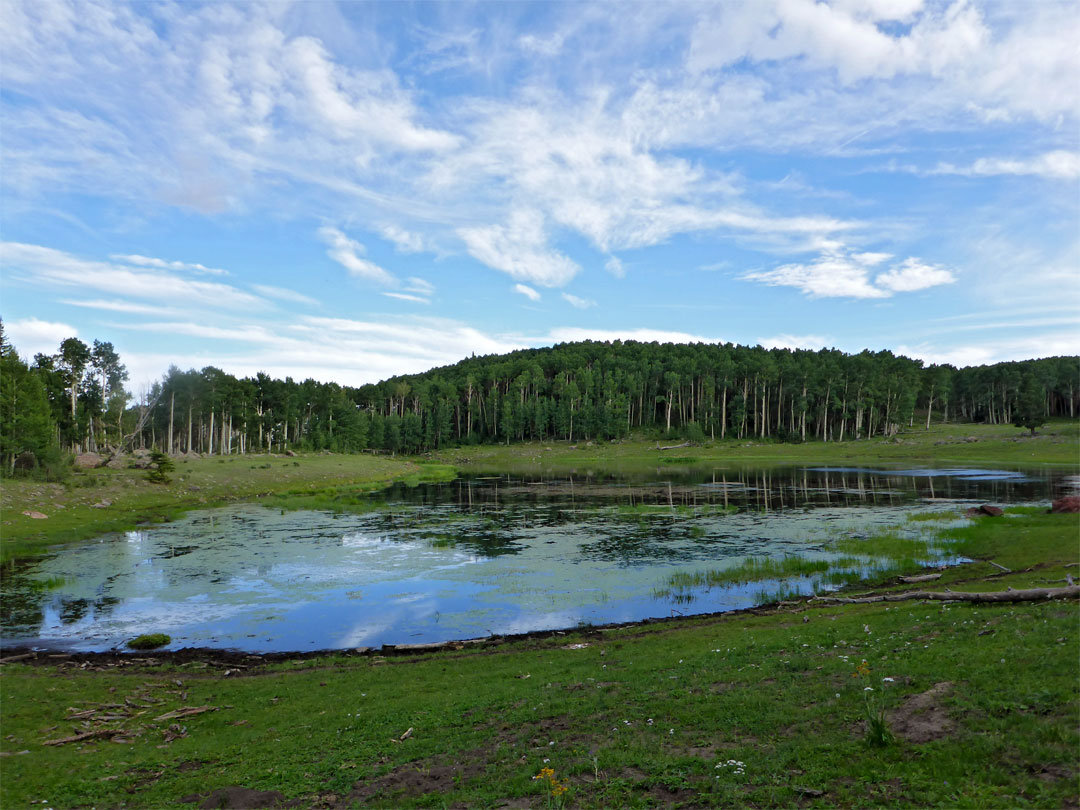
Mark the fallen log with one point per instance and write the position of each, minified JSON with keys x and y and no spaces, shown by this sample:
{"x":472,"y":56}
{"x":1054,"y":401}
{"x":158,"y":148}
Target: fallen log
{"x":186,"y":711}
{"x":1030,"y":595}
{"x":674,"y":446}
{"x":86,"y":735}
{"x":921,"y":578}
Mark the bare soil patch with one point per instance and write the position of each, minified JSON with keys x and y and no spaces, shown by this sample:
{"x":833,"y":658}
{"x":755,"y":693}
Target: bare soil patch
{"x":240,"y":798}
{"x":923,"y":718}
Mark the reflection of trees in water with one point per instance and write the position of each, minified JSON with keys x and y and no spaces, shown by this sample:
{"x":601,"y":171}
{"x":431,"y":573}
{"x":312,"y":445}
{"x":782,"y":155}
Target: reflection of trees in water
{"x":763,"y":489}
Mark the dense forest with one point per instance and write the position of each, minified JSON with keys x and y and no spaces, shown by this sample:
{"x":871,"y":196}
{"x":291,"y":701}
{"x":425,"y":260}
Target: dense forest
{"x":75,"y":400}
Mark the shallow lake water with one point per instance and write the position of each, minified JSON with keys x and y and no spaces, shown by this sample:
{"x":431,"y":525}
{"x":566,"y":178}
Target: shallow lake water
{"x":474,"y":557}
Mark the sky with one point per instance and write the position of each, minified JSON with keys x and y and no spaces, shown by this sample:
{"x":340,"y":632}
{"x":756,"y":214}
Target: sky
{"x":357,"y":190}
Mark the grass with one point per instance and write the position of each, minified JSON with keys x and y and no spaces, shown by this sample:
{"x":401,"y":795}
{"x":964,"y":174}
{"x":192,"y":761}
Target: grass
{"x":94,"y":502}
{"x":643,"y":716}
{"x":1058,"y":444}
{"x":632,"y":717}
{"x":149,"y":641}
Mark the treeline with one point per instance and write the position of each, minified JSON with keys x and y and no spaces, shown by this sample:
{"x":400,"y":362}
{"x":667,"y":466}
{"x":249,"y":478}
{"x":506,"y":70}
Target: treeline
{"x":572,"y":392}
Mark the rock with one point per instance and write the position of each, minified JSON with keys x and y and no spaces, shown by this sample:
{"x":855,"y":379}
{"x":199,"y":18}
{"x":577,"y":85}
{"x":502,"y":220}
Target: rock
{"x":104,"y":504}
{"x":992,"y":511}
{"x":117,"y":462}
{"x":35,"y":515}
{"x":142,"y":452}
{"x":290,"y":454}
{"x":88,"y":461}
{"x":1068,"y":504}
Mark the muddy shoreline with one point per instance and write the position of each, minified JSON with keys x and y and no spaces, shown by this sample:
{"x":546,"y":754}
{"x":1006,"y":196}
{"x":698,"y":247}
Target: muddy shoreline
{"x":239,"y":660}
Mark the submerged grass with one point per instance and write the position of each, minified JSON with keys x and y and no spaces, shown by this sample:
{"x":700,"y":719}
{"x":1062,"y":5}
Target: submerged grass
{"x":724,"y":711}
{"x":98,"y":501}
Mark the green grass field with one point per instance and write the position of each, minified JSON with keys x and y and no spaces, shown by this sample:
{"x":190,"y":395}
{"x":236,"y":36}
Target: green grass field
{"x":759,"y":709}
{"x":1058,"y":443}
{"x":982,"y":701}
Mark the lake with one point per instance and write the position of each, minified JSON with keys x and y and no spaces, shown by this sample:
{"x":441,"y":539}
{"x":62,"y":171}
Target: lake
{"x":479,"y":556}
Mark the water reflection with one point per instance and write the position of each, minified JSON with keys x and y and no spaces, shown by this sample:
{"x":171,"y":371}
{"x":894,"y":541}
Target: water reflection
{"x":479,"y":555}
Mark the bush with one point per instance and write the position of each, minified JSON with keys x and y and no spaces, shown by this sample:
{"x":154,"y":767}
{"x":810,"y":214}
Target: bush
{"x":160,"y":467}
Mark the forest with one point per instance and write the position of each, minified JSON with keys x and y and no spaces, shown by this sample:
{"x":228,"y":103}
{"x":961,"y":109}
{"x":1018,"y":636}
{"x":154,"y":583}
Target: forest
{"x":75,"y":400}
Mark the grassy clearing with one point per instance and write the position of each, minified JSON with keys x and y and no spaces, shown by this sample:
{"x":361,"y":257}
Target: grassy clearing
{"x":97,"y":501}
{"x":982,"y":702}
{"x":966,"y":444}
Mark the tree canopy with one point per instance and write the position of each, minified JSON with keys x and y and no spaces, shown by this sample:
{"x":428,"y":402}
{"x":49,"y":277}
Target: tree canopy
{"x":573,"y":391}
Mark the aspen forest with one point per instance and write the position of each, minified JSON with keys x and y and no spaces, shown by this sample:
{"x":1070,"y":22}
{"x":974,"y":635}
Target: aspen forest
{"x":75,"y":400}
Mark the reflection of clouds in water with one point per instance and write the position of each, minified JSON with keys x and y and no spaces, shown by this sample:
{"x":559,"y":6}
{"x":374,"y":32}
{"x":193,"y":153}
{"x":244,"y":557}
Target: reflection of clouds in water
{"x":132,"y":617}
{"x":540,"y":621}
{"x":532,"y":564}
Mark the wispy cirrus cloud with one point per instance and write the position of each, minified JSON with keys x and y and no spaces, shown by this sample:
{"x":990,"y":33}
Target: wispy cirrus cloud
{"x":150,"y":261}
{"x":1056,"y":165}
{"x":45,"y":266}
{"x":347,"y":252}
{"x":577,"y":302}
{"x":527,"y":291}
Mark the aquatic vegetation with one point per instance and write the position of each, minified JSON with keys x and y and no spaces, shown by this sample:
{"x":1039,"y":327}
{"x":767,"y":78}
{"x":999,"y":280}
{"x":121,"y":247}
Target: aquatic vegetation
{"x":149,"y":641}
{"x":918,"y":517}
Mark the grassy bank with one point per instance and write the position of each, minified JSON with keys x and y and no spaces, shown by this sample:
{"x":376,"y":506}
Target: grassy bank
{"x":93,"y":502}
{"x":1055,"y":444}
{"x":738,"y":710}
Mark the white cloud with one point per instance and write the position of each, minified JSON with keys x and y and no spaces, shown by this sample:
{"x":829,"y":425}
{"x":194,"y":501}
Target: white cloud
{"x":345,"y":251}
{"x":528,"y":292}
{"x":149,"y":261}
{"x":32,"y":336}
{"x":997,"y":350}
{"x":912,"y":274}
{"x":1055,"y":165}
{"x":785,"y":341}
{"x":118,"y":306}
{"x":284,"y":294}
{"x":569,"y":334}
{"x":519,"y":249}
{"x":406,"y":241}
{"x":838,"y":273}
{"x":44,"y":266}
{"x":615,"y":266}
{"x":407,"y":297}
{"x":579,"y":303}
{"x":827,"y":277}
{"x":420,"y":287}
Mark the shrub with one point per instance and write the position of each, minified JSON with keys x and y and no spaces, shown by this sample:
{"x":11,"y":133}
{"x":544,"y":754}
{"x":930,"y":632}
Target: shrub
{"x":160,"y":467}
{"x":149,"y":641}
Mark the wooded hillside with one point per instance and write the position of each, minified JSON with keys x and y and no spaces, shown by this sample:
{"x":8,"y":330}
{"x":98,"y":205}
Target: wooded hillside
{"x":573,"y":391}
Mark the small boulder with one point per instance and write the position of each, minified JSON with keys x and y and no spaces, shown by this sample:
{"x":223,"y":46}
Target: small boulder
{"x":35,"y":515}
{"x":88,"y":461}
{"x":103,"y":504}
{"x":992,"y":511}
{"x":117,"y":462}
{"x":290,"y":454}
{"x":1068,"y":504}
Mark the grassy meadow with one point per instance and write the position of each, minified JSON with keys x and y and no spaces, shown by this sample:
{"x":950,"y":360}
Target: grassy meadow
{"x":980,"y":703}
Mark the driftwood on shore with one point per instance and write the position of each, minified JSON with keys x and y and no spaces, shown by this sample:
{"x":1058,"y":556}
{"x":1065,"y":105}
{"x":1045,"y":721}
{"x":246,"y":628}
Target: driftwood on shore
{"x":1029,"y":595}
{"x":674,"y":446}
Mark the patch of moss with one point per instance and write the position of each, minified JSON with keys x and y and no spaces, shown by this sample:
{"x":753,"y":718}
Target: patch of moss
{"x":149,"y":641}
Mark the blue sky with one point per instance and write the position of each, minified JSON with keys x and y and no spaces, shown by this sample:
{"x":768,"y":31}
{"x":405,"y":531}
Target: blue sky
{"x":352,"y":191}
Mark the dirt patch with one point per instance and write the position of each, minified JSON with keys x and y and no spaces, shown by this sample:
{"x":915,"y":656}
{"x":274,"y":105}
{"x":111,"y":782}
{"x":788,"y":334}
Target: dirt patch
{"x":668,"y":797}
{"x":922,"y":718}
{"x":416,"y":779}
{"x":240,"y":798}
